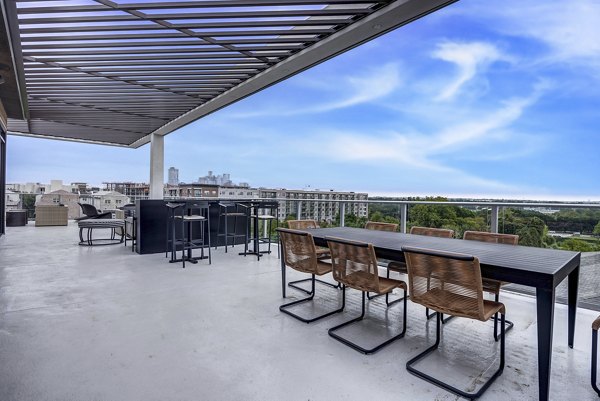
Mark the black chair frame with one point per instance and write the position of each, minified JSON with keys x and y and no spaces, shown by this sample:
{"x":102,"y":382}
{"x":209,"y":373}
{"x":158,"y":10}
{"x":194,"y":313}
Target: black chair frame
{"x":284,"y":308}
{"x":228,"y":210}
{"x":595,"y":361}
{"x":472,"y":396}
{"x":332,"y":331}
{"x":203,"y":242}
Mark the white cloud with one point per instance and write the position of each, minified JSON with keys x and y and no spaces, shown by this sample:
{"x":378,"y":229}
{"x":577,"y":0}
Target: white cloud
{"x":423,"y":154}
{"x":368,"y":87}
{"x":569,"y":29}
{"x":470,"y":59}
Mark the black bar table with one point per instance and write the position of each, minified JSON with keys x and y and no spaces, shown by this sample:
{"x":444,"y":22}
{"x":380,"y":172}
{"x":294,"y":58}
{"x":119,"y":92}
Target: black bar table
{"x":541,"y":268}
{"x":252,"y":210}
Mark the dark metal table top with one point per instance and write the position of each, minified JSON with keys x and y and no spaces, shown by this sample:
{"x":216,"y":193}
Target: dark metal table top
{"x":537,"y":267}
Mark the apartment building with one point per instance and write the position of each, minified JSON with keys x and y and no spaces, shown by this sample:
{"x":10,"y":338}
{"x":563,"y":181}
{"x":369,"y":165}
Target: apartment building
{"x":194,"y":190}
{"x":319,"y":205}
{"x":133,"y":190}
{"x":105,"y":200}
{"x":238,"y":192}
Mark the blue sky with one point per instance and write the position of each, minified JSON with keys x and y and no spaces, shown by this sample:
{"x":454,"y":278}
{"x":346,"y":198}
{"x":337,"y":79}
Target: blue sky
{"x":483,"y":99}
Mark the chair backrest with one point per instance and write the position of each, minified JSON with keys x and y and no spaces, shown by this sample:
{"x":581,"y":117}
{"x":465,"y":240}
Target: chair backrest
{"x":302,"y":224}
{"x":128,"y":209}
{"x":268,"y":207}
{"x":484,"y":236}
{"x":354,"y":264}
{"x":298,"y":250}
{"x":448,"y":283}
{"x":375,"y":225}
{"x":199,"y":207}
{"x":432,"y":232}
{"x":88,"y":210}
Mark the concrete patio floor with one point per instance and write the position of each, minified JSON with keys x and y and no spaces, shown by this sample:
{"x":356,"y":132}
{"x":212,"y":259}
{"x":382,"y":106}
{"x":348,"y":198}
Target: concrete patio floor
{"x":102,"y":323}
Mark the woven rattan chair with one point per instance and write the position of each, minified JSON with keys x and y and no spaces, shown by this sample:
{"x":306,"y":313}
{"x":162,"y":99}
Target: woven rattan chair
{"x":299,"y":253}
{"x":595,"y":327}
{"x":355,"y":266}
{"x":302,"y":224}
{"x":322,"y":252}
{"x":489,"y":285}
{"x":375,"y":225}
{"x":400,"y":267}
{"x":450,"y":283}
{"x":378,"y":226}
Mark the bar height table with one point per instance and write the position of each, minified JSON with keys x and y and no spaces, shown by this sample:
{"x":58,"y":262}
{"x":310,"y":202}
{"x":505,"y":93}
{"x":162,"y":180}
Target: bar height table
{"x":252,"y":209}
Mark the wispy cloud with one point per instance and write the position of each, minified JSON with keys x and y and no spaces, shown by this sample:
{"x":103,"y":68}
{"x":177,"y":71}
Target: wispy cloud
{"x":371,"y":85}
{"x":424,"y":153}
{"x":470,"y":59}
{"x":569,"y":29}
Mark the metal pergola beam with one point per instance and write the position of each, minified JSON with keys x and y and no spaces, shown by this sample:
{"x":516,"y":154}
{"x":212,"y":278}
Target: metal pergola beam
{"x":192,"y":5}
{"x":143,"y":68}
{"x":199,"y":16}
{"x":392,"y":16}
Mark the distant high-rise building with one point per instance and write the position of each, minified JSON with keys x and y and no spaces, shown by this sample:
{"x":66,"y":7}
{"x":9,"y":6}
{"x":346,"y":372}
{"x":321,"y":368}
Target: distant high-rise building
{"x":173,"y":176}
{"x":211,"y":179}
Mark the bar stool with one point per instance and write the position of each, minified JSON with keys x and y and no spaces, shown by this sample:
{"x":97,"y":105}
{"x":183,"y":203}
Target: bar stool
{"x":196,"y":213}
{"x":174,"y":210}
{"x":227,"y":211}
{"x":266,"y":213}
{"x":130,"y":225}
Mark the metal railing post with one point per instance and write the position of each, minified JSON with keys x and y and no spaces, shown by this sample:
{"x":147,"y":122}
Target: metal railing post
{"x":299,"y":211}
{"x":494,"y":219}
{"x":342,"y":214}
{"x":403,"y":217}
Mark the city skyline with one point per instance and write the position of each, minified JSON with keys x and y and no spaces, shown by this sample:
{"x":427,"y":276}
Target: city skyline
{"x":471,"y":101}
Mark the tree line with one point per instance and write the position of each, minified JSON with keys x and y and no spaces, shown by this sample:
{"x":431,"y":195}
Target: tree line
{"x":531,"y":226}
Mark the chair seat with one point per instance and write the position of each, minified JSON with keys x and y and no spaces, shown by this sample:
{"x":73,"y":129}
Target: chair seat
{"x":491,"y":286}
{"x":233,"y":214}
{"x":388,"y":284}
{"x":322,"y":252}
{"x":101,"y":223}
{"x":263,"y":216}
{"x":397,"y":266}
{"x":194,"y":218}
{"x":323,"y":268}
{"x":450,"y":303}
{"x":363,"y":281}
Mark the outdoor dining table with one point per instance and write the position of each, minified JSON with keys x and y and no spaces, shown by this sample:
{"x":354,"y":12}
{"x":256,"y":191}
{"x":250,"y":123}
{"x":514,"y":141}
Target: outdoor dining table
{"x":541,"y":268}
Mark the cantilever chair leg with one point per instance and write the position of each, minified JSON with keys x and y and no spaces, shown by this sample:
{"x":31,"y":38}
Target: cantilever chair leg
{"x":439,"y":383}
{"x":292,"y":284}
{"x":595,"y":360}
{"x":509,"y":324}
{"x":444,"y":320}
{"x":284,"y":308}
{"x":332,"y":331}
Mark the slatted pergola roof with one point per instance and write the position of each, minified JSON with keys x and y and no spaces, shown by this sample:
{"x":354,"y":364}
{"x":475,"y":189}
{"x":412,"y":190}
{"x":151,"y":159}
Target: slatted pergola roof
{"x":114,"y":73}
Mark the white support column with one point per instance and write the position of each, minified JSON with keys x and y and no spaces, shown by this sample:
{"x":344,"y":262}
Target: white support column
{"x":157,"y":166}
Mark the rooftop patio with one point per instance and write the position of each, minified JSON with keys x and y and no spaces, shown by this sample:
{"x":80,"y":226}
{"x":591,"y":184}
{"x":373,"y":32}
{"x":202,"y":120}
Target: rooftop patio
{"x":108,"y":324}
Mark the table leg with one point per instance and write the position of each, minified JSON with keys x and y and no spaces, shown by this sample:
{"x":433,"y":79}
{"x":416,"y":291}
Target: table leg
{"x":573,"y":289}
{"x":545,"y":323}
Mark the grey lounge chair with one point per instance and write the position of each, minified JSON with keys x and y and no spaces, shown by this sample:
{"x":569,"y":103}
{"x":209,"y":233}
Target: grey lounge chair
{"x":90,"y":212}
